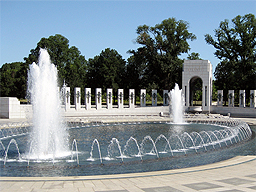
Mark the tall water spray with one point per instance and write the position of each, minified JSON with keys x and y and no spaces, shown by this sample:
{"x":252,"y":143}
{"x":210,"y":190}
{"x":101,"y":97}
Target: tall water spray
{"x":177,"y":105}
{"x":49,"y":136}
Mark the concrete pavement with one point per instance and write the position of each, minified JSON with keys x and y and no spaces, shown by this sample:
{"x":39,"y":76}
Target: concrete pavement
{"x":236,"y":174}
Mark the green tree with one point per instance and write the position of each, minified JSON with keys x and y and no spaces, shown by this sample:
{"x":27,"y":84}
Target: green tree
{"x":236,"y":48}
{"x":75,"y":68}
{"x":11,"y":82}
{"x":161,"y":46}
{"x":214,"y":91}
{"x":106,"y":70}
{"x":194,"y":56}
{"x":58,"y":49}
{"x":71,"y":65}
{"x":134,"y":71}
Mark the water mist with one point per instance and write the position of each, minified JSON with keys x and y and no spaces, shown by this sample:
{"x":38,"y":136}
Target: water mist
{"x":177,"y":105}
{"x":49,"y":136}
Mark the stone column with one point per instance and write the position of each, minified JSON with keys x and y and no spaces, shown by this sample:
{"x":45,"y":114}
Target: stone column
{"x":253,"y":98}
{"x":77,"y":98}
{"x":154,"y":97}
{"x":203,"y":97}
{"x":131,"y":98}
{"x":98,"y":98}
{"x":67,"y":98}
{"x":120,"y":98}
{"x":88,"y":98}
{"x":109,"y":98}
{"x":241,"y":98}
{"x":165,"y":98}
{"x":143,"y":94}
{"x":220,"y":98}
{"x":231,"y":98}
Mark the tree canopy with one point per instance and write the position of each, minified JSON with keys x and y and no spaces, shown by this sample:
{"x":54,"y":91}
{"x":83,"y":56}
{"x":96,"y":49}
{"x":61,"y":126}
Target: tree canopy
{"x":157,"y":58}
{"x":11,"y":82}
{"x":71,"y":66}
{"x":194,"y":56}
{"x":70,"y":63}
{"x":236,"y":48}
{"x":106,"y":70}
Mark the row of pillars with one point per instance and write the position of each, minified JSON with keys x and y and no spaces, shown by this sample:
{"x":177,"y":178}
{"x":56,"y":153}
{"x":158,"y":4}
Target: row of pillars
{"x":231,"y":98}
{"x":109,"y":101}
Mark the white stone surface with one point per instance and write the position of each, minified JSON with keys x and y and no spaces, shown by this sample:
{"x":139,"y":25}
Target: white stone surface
{"x":10,"y":108}
{"x":238,"y":171}
{"x":98,"y":98}
{"x":26,"y":111}
{"x":88,"y":98}
{"x":67,"y":95}
{"x":253,"y":98}
{"x":165,"y":97}
{"x":198,"y":69}
{"x":231,"y":98}
{"x":131,"y":98}
{"x":235,"y":111}
{"x":220,"y":98}
{"x":241,"y":98}
{"x":109,"y":98}
{"x":120,"y":102}
{"x":77,"y":98}
{"x":154,"y":97}
{"x":136,"y":110}
{"x":143,"y":94}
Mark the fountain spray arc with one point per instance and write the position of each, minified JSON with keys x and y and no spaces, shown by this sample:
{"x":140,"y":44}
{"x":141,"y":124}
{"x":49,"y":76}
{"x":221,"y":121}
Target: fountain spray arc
{"x":177,"y":104}
{"x":49,"y":137}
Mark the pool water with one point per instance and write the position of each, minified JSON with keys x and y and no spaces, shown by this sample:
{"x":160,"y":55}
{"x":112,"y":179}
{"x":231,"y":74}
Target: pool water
{"x":128,"y":148}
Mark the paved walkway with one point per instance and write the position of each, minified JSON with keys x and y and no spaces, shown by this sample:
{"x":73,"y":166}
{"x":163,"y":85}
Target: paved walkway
{"x":236,"y":174}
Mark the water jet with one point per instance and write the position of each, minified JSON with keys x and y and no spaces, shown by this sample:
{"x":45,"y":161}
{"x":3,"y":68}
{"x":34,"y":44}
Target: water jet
{"x":48,"y":137}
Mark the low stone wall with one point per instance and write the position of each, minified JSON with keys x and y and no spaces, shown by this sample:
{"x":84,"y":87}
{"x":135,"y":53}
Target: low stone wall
{"x":10,"y":108}
{"x":234,"y":111}
{"x":139,"y":111}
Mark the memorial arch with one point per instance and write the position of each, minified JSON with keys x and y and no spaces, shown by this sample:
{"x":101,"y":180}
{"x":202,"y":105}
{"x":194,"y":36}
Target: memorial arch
{"x":193,"y":70}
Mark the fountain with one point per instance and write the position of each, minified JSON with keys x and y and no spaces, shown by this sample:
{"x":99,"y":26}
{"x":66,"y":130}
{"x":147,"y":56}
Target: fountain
{"x":177,"y":105}
{"x":99,"y":148}
{"x":45,"y":148}
{"x":48,"y":137}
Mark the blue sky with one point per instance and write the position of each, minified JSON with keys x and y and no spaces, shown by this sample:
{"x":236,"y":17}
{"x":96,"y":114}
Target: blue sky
{"x":92,"y":26}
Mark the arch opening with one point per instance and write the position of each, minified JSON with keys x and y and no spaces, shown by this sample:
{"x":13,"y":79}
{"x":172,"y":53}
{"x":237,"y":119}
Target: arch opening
{"x":195,"y":95}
